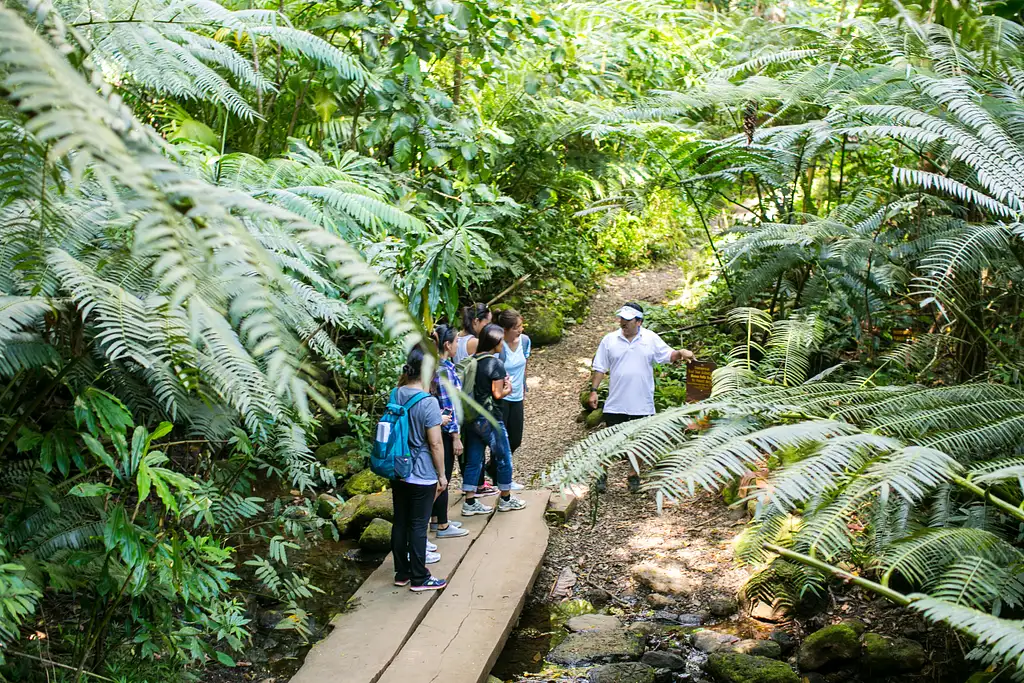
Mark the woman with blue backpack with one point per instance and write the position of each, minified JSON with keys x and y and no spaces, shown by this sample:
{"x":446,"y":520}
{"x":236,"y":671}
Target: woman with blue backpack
{"x":490,"y":384}
{"x":409,"y":450}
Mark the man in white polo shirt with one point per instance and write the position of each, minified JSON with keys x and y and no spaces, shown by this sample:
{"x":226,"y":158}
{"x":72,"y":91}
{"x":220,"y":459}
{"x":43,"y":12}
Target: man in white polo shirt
{"x":628,"y":357}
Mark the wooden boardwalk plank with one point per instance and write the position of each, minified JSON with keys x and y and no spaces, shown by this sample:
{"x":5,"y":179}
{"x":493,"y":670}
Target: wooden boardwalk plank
{"x":463,"y":633}
{"x":366,"y":638}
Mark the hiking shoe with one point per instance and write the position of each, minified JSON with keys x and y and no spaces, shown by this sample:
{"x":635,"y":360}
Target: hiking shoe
{"x":431,"y":547}
{"x":486,"y":490}
{"x":601,"y":485}
{"x":452,"y":532}
{"x":477,"y":508}
{"x":401,"y":582}
{"x":457,"y":525}
{"x":431,"y":584}
{"x":432,"y":557}
{"x":634,"y":483}
{"x":511,"y":504}
{"x":516,"y":486}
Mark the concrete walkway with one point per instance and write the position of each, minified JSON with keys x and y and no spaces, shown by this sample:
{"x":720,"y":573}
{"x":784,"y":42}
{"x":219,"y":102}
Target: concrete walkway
{"x":393,"y":635}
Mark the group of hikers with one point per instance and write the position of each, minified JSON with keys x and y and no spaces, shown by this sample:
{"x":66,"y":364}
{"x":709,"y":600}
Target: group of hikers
{"x":489,"y":355}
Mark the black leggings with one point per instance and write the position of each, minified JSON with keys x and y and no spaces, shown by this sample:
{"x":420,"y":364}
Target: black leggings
{"x":441,"y":504}
{"x":512,"y":415}
{"x":409,"y":533}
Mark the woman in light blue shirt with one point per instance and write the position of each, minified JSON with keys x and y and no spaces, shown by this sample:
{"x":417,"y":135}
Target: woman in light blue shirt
{"x":515,"y":354}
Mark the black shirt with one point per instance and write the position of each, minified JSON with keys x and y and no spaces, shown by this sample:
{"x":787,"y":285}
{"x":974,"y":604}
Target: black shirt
{"x":488,"y":369}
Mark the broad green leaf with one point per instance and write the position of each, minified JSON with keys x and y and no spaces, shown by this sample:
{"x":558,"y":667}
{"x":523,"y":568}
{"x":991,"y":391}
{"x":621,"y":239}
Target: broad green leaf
{"x":143,"y":481}
{"x":96,"y":448}
{"x":224,"y":659}
{"x":90,"y":489}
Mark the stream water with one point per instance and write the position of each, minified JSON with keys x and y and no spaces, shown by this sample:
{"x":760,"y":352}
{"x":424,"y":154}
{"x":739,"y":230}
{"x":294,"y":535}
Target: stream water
{"x":337,"y":568}
{"x":541,"y":628}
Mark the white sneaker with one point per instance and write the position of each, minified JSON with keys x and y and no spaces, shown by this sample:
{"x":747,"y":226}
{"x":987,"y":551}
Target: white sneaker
{"x":433,"y":557}
{"x":516,"y":486}
{"x":477,"y":508}
{"x":511,"y":505}
{"x":431,"y":547}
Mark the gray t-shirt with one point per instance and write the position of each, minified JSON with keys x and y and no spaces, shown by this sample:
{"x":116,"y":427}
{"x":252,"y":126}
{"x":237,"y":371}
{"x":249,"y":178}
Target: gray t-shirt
{"x":423,"y":416}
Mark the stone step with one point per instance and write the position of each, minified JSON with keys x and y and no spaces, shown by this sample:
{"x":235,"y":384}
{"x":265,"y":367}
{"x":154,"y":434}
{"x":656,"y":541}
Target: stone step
{"x":463,"y":633}
{"x":381,"y":617}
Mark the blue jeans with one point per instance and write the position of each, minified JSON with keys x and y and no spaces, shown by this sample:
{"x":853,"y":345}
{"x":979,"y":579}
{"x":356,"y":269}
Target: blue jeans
{"x":479,"y":436}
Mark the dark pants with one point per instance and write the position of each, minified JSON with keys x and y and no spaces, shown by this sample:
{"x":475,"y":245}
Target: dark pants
{"x":512,"y":416}
{"x":409,"y":533}
{"x":441,"y":504}
{"x":612,"y":419}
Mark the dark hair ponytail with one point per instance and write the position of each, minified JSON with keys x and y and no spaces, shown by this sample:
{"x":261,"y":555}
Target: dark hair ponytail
{"x":471,"y":314}
{"x":490,"y":338}
{"x":443,"y":334}
{"x":413,"y":364}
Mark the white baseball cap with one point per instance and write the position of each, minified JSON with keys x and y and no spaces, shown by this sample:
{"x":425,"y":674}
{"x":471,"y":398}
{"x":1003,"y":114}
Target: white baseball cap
{"x":629,"y":312}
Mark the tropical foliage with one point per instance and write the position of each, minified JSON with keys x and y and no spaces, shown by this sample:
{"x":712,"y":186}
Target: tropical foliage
{"x":867,"y":180}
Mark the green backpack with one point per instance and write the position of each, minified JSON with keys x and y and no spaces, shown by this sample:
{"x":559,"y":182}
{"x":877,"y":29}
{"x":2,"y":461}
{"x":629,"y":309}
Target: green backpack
{"x":466,"y":370}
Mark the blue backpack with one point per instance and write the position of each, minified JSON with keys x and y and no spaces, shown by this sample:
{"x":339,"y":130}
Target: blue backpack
{"x":391,"y":457}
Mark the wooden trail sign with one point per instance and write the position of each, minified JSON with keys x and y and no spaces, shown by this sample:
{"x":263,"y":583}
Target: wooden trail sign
{"x":698,"y":380}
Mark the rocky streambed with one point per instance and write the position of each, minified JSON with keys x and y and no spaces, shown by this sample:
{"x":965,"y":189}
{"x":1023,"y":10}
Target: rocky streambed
{"x":608,"y":648}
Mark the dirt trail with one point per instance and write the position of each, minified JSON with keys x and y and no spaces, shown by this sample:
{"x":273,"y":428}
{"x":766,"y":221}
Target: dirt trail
{"x":696,"y":535}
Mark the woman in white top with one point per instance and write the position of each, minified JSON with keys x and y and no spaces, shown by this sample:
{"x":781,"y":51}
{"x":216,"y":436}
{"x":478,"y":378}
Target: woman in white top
{"x":474,"y":319}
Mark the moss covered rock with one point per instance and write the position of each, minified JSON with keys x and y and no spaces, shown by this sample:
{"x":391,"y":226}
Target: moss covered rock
{"x":595,"y":418}
{"x":359,"y":510}
{"x":734,"y":667}
{"x":329,"y":450}
{"x":836,"y":643}
{"x":892,"y":655}
{"x":344,"y":515}
{"x":545,"y":325}
{"x":376,"y":536}
{"x":365,"y":482}
{"x":327,"y":505}
{"x":344,"y":466}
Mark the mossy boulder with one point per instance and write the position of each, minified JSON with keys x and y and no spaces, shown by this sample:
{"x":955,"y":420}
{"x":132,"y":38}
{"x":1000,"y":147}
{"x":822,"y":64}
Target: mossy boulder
{"x":376,"y":536}
{"x":545,"y":325}
{"x":832,"y":644}
{"x":365,"y":482}
{"x":595,"y":418}
{"x":359,"y":510}
{"x":892,"y":655}
{"x":730,"y":494}
{"x":327,"y":505}
{"x":734,"y":667}
{"x":328,"y":450}
{"x":344,"y":515}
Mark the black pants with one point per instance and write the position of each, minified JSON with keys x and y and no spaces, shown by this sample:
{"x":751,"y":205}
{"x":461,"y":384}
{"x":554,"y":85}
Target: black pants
{"x":441,"y":504}
{"x":512,"y":416}
{"x":612,"y":419}
{"x":409,"y":532}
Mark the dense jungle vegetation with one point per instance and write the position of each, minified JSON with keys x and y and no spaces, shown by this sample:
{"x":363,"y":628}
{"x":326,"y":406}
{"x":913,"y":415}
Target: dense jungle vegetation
{"x":221,"y":224}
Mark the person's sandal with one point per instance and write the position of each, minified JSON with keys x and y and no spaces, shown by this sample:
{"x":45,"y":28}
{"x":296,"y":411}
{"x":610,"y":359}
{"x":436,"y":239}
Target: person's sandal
{"x":431,"y":584}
